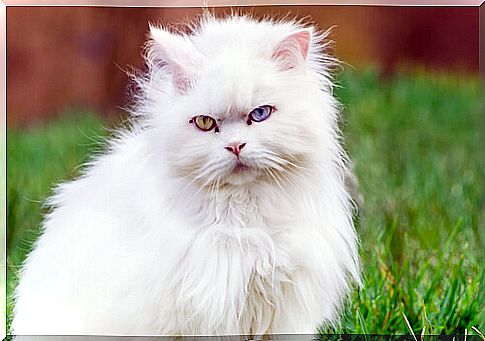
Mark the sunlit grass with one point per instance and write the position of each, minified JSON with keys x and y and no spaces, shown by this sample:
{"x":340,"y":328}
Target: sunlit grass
{"x":415,"y":144}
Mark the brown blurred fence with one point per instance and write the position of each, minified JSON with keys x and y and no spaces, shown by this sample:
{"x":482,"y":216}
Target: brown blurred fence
{"x":64,"y":57}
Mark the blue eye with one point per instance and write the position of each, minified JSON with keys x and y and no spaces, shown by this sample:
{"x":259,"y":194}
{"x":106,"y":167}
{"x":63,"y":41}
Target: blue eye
{"x":260,"y":114}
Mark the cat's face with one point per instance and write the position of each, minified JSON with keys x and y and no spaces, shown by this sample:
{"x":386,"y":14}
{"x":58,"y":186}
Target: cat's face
{"x":243,"y":117}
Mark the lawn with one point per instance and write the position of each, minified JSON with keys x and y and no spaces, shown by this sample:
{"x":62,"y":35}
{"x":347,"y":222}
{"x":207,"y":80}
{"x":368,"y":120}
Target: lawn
{"x":414,"y":139}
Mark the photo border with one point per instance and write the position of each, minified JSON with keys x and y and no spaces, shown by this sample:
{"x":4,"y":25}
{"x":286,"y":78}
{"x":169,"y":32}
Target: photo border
{"x":213,"y":3}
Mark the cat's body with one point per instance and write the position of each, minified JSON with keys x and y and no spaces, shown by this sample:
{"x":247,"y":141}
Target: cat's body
{"x":179,"y":231}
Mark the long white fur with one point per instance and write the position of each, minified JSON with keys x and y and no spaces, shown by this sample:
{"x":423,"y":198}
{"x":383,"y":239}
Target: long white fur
{"x":159,"y":237}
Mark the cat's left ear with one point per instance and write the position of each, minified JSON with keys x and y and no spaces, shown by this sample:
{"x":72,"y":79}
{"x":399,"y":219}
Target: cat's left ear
{"x":177,"y":53}
{"x":293,"y":49}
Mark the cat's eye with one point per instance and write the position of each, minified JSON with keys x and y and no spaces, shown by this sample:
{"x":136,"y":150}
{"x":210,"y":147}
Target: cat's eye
{"x":260,"y":114}
{"x":204,"y":122}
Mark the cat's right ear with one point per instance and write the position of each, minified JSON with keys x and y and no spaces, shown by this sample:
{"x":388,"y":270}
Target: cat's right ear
{"x":177,"y":53}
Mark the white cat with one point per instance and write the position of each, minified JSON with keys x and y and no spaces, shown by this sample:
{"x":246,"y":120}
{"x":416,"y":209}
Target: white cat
{"x":222,"y":211}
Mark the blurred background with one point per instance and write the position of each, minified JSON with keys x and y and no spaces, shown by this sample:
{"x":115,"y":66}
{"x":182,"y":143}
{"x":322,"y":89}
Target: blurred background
{"x":411,"y":125}
{"x":65,"y":57}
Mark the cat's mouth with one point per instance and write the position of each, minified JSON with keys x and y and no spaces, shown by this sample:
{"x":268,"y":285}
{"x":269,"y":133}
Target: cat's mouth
{"x":241,"y":173}
{"x":240,"y":167}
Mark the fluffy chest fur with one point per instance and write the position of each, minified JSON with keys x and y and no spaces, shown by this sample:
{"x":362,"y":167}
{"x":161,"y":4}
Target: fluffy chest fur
{"x":249,"y":266}
{"x":238,"y":265}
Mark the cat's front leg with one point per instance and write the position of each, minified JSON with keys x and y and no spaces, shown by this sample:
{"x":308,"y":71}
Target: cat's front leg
{"x":312,"y":298}
{"x":215,"y":277}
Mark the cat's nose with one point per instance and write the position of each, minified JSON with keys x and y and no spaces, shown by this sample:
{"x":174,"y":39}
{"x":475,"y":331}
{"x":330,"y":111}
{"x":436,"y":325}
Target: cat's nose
{"x":235,"y":148}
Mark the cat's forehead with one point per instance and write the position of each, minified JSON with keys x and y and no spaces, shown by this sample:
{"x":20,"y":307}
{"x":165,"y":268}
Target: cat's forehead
{"x":231,"y":85}
{"x":237,"y":72}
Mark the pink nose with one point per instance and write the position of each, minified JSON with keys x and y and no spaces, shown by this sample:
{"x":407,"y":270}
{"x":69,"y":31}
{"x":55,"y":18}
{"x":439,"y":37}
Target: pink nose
{"x":235,"y":148}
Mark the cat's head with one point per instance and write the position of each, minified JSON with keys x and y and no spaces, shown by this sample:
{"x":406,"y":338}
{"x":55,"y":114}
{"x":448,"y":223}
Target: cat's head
{"x":238,"y":101}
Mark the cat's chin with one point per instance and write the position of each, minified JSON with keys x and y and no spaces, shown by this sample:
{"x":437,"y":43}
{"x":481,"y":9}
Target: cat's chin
{"x":241,"y":175}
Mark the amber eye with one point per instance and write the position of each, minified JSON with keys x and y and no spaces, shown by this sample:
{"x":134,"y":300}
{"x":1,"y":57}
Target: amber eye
{"x":204,"y":122}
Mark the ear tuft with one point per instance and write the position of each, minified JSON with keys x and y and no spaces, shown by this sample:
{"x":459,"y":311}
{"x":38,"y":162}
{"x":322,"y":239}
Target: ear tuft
{"x":293,"y":50}
{"x":176,"y":52}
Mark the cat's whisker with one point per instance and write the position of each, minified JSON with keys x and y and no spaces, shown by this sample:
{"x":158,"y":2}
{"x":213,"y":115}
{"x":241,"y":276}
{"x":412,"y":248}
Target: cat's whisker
{"x":286,"y":161}
{"x":276,"y":179}
{"x":270,"y":163}
{"x":210,"y":167}
{"x":281,"y":178}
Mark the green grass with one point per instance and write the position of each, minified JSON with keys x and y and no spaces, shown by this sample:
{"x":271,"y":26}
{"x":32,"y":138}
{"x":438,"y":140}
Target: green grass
{"x":414,"y":140}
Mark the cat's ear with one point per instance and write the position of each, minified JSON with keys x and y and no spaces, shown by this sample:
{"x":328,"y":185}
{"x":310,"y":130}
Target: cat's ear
{"x":293,"y":49}
{"x":175,"y":52}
